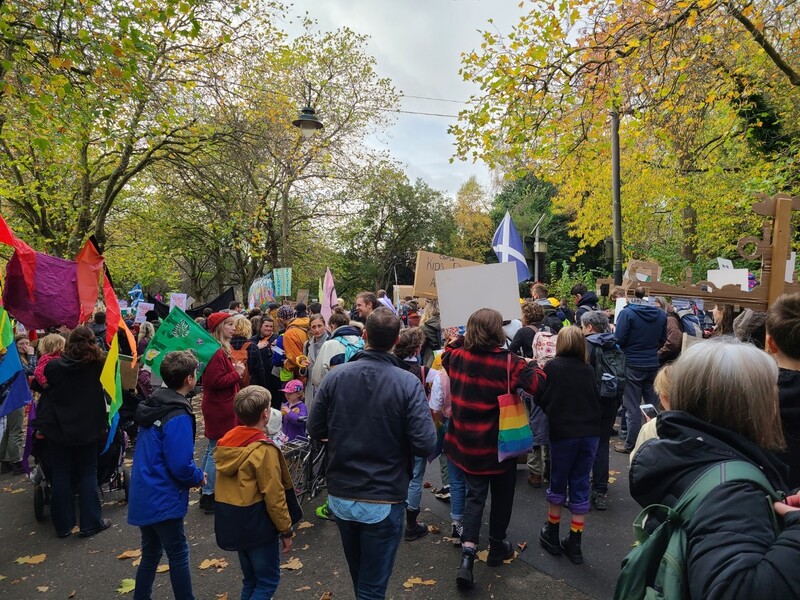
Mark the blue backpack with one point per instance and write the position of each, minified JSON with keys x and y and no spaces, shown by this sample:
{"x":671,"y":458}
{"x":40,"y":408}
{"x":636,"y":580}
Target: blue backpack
{"x":690,"y":324}
{"x":350,"y":349}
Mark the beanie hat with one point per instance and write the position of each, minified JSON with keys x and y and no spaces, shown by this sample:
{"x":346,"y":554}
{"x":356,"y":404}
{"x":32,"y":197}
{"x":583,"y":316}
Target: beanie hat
{"x":285,"y":312}
{"x":214,"y":319}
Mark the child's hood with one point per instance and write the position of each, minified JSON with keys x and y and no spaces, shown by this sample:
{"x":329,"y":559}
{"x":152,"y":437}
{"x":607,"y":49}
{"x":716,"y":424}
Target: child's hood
{"x":235,"y":447}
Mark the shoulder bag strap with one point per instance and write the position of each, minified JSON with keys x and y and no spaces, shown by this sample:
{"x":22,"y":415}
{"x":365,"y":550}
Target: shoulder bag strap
{"x":508,"y":374}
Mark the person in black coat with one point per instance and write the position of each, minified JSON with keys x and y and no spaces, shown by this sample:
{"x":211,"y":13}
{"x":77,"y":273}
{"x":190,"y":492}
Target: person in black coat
{"x":724,"y":398}
{"x":73,"y":420}
{"x":572,"y":404}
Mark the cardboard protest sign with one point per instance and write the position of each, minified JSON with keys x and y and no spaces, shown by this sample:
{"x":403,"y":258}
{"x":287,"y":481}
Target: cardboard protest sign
{"x":303,"y":296}
{"x":178,"y":300}
{"x":141,"y":311}
{"x":645,"y":271}
{"x":428,"y":264}
{"x":401,"y":291}
{"x":463,"y":291}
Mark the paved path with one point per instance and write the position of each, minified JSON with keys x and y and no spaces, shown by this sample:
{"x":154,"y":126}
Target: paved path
{"x":91,"y":569}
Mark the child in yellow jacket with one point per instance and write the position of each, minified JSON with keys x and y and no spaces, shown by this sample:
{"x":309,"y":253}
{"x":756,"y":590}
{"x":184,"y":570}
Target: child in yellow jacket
{"x":252,"y":515}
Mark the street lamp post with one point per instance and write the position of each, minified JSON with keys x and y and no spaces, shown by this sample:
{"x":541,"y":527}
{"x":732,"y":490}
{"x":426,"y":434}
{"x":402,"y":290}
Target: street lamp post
{"x":615,"y":196}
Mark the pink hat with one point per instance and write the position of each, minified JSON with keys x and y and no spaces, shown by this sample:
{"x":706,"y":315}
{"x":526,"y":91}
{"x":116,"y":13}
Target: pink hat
{"x":295,"y":385}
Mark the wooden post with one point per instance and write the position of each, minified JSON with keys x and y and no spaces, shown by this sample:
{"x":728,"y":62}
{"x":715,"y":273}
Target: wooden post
{"x":780,"y":247}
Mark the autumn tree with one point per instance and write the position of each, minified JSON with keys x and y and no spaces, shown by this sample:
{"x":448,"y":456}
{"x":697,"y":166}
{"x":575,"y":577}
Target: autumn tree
{"x":696,"y":82}
{"x":473,"y":226}
{"x":391,"y":219}
{"x":94,"y":94}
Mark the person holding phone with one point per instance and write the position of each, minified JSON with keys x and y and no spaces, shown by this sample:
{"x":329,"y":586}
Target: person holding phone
{"x":650,"y":412}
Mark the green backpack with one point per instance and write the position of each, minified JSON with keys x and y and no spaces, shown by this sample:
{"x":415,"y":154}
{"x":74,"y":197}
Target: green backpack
{"x":656,"y":567}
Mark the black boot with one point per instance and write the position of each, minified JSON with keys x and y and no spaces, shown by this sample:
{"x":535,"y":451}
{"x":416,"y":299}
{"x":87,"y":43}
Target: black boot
{"x":207,"y":503}
{"x":499,"y":550}
{"x":571,"y":546}
{"x":414,"y":529}
{"x":464,"y":578}
{"x":548,"y":538}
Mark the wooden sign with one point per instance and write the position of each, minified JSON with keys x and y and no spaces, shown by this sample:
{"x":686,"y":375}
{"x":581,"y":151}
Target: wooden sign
{"x":430,"y":263}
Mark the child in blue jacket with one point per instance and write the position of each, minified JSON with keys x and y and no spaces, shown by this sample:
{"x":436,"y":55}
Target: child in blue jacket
{"x":163,"y":471}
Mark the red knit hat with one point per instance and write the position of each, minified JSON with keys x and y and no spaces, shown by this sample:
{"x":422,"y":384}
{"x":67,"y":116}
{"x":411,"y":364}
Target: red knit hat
{"x":214,"y":319}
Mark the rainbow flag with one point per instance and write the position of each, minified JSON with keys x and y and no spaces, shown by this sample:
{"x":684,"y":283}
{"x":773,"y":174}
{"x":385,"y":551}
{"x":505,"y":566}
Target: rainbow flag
{"x":514,"y":437}
{"x":12,"y":375}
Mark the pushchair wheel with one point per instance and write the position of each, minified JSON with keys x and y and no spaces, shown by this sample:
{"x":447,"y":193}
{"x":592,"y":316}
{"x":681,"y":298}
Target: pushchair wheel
{"x":38,"y":502}
{"x":126,"y":481}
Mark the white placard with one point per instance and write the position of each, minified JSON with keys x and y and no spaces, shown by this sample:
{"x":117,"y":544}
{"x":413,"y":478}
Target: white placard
{"x":790,"y":267}
{"x":141,"y":311}
{"x":724,"y":263}
{"x":618,"y":306}
{"x":178,"y":300}
{"x":465,"y":290}
{"x":720,"y":277}
{"x":122,"y":303}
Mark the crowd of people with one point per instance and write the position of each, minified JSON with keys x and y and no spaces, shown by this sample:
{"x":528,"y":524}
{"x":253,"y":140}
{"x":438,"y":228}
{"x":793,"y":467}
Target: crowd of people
{"x":390,"y":391}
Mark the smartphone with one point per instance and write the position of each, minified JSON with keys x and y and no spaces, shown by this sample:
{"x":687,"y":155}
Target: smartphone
{"x":649,"y":411}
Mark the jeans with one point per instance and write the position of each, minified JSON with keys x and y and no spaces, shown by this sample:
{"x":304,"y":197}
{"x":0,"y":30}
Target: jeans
{"x":13,"y":440}
{"x":639,"y":384}
{"x":209,"y":467}
{"x":261,"y":570}
{"x":458,"y":491}
{"x":156,"y":538}
{"x":608,"y":414}
{"x":370,"y":551}
{"x":502,"y":486}
{"x":415,"y":485}
{"x":571,"y":463}
{"x":444,"y":470}
{"x":82,"y":460}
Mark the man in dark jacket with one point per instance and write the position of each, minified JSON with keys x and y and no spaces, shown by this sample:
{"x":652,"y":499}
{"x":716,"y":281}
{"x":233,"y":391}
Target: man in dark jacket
{"x":595,"y":327}
{"x":375,"y":416}
{"x":641,"y":330}
{"x":584,"y":300}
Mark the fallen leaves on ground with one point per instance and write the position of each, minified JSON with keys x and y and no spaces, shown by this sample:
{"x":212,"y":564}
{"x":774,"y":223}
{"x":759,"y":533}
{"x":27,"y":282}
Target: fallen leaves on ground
{"x":304,"y":525}
{"x":72,"y":594}
{"x":293,"y":564}
{"x":305,"y":588}
{"x":512,"y":559}
{"x":31,"y":560}
{"x":612,"y":480}
{"x":216,"y":563}
{"x":13,"y":491}
{"x":130,"y":554}
{"x":43,"y":588}
{"x":222,"y":596}
{"x":427,"y":485}
{"x":3,"y":577}
{"x":306,"y":547}
{"x":412,"y":581}
{"x":326,"y":596}
{"x":434,"y":529}
{"x":136,"y":562}
{"x":482,"y":555}
{"x":193,"y":502}
{"x":126,"y":586}
{"x":522,"y":546}
{"x":162,"y":568}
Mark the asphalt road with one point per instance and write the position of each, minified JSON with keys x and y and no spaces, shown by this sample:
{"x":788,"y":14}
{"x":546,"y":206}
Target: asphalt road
{"x":90,"y":568}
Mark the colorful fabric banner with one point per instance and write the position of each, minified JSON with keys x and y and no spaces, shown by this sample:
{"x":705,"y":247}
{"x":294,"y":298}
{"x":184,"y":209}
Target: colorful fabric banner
{"x":178,"y":331}
{"x":328,"y":297}
{"x":12,"y":376}
{"x":90,"y":265}
{"x":56,"y":300}
{"x":26,"y":256}
{"x":282,"y":279}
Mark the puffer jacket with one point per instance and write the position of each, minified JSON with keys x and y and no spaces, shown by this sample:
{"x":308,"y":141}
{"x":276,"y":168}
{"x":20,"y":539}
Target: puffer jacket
{"x":733,"y":550}
{"x":163,"y":462}
{"x":640,"y":331}
{"x":250,"y":492}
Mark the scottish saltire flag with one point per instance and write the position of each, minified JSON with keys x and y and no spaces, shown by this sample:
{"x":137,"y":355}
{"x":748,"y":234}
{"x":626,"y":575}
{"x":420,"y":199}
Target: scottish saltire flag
{"x":12,"y":376}
{"x":136,"y":295}
{"x":507,"y":245}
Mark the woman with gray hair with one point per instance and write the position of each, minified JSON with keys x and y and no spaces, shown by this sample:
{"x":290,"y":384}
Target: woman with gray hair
{"x":724,"y":399}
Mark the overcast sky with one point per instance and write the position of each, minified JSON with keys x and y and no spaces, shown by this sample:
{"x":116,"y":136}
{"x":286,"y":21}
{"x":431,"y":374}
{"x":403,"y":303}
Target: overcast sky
{"x":417,"y":44}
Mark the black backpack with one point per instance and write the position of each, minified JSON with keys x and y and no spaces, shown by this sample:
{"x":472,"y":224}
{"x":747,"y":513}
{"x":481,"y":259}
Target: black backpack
{"x":609,"y":370}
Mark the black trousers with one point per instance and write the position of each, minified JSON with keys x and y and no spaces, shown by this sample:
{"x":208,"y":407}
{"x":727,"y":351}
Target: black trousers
{"x":502,"y":486}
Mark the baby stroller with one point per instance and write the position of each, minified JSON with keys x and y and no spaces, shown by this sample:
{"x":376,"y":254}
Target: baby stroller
{"x":112,"y":475}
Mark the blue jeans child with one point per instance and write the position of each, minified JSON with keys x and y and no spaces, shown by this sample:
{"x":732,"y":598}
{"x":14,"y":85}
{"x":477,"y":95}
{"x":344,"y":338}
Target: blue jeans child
{"x":261,"y":570}
{"x":156,"y":538}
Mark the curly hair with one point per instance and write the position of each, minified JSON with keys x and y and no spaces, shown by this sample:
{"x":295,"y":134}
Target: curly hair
{"x":532,"y":313}
{"x":409,"y":342}
{"x":81,"y":346}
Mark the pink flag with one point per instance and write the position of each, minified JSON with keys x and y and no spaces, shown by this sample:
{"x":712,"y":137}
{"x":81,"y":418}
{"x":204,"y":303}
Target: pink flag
{"x":329,"y":300}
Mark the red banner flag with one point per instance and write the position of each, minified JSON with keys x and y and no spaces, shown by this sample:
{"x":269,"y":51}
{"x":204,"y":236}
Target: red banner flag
{"x":90,"y":264}
{"x":27,"y":255}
